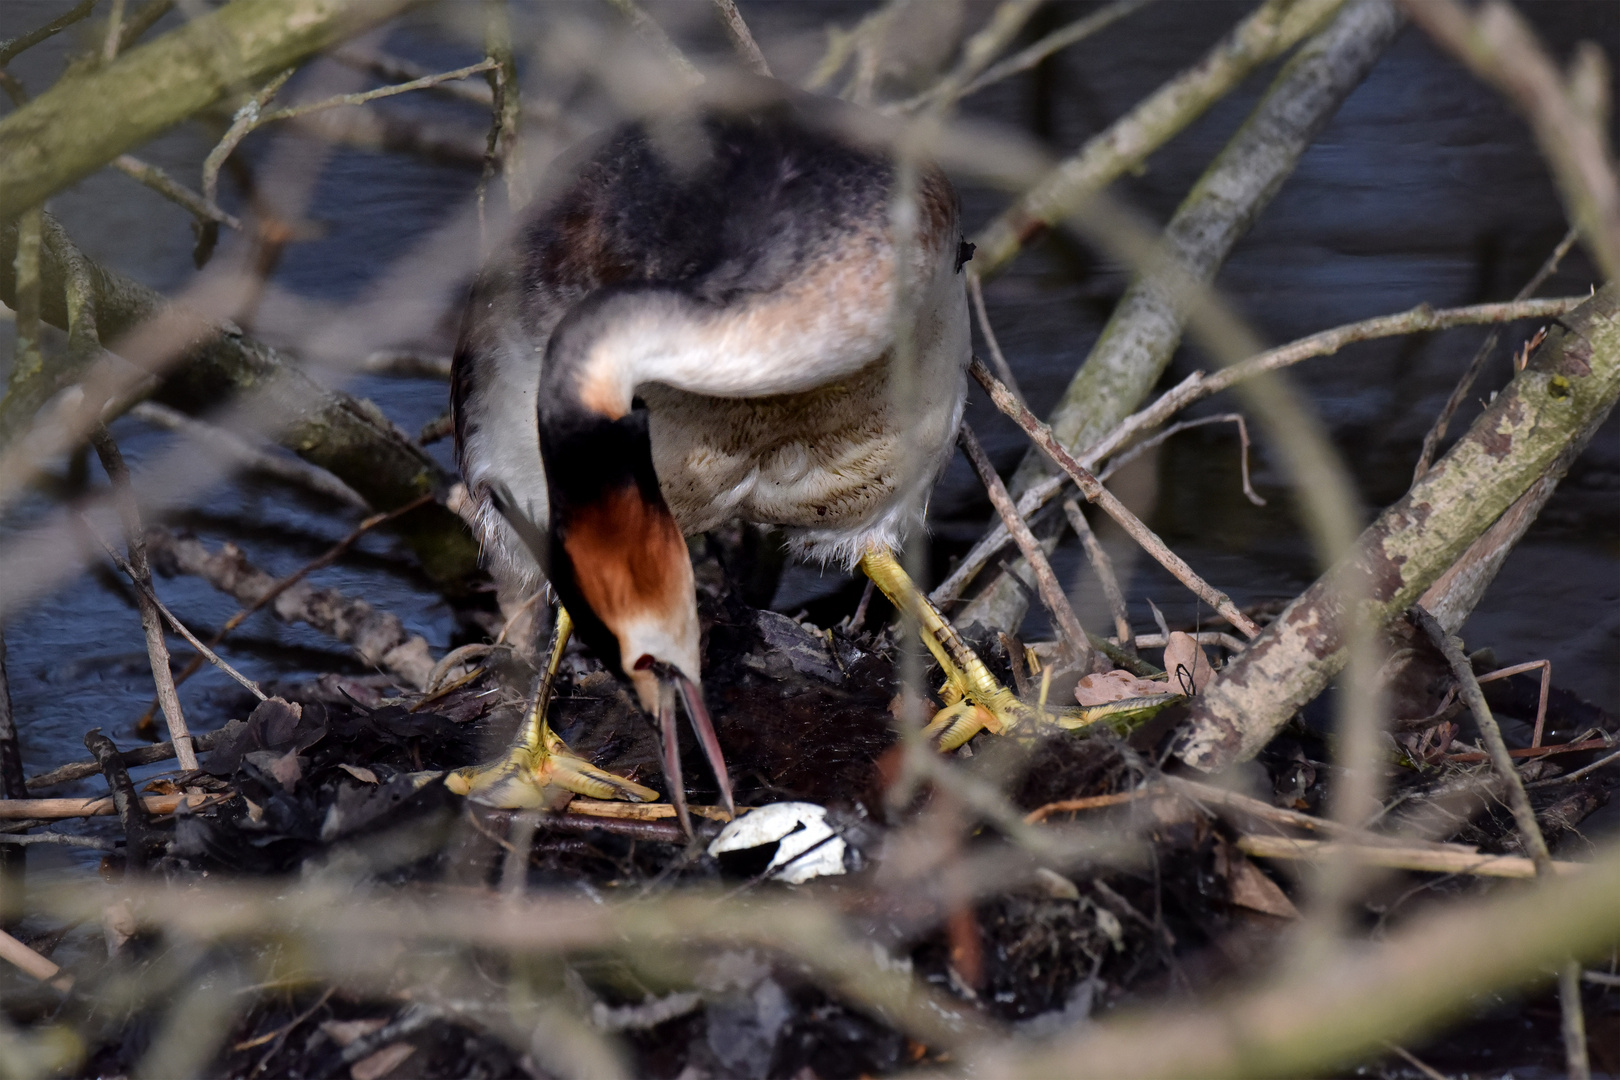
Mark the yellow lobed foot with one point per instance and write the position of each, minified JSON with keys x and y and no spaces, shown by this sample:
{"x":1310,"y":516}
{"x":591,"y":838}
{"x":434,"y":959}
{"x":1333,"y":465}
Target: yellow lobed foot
{"x":542,"y":778}
{"x":975,"y":702}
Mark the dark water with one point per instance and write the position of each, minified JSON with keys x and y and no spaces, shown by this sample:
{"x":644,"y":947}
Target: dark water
{"x":1424,"y":188}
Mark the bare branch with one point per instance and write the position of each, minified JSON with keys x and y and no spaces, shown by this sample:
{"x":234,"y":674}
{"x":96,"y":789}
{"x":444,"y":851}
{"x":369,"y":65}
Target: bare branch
{"x":12,"y":46}
{"x":1055,"y":42}
{"x":1003,"y":369}
{"x":1421,"y":319}
{"x":650,"y":32}
{"x":1073,"y":636}
{"x":1103,"y":566}
{"x":1004,"y":24}
{"x":145,"y":599}
{"x":1042,"y":436}
{"x":1148,"y":323}
{"x":247,"y":456}
{"x":1544,"y":417}
{"x":171,"y":189}
{"x":741,"y":39}
{"x":1524,"y":815}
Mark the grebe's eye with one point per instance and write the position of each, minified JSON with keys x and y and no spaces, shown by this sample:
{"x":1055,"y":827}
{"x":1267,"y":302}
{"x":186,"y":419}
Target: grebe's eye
{"x":964,"y":252}
{"x":645,"y":662}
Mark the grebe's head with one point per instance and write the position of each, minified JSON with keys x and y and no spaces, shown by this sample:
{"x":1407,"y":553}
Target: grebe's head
{"x":617,"y":557}
{"x":614,"y":552}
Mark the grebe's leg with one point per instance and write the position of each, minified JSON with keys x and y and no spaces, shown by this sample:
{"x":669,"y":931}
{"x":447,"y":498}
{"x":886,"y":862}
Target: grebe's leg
{"x":539,"y":767}
{"x":974,"y":700}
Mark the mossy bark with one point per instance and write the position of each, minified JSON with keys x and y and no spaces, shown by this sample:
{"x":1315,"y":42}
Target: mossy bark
{"x":83,"y":122}
{"x":1534,"y":429}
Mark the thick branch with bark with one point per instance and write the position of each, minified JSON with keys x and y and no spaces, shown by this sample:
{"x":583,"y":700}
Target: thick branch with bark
{"x":1533,"y":430}
{"x":345,"y":436}
{"x":1273,"y":29}
{"x":377,"y":637}
{"x":1146,"y":327}
{"x":71,"y":131}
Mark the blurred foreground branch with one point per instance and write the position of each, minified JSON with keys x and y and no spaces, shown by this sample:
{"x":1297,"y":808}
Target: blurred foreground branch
{"x":377,"y":637}
{"x":1535,"y":428}
{"x":1200,"y":385}
{"x":345,"y":436}
{"x":1313,"y":1018}
{"x":1276,"y":27}
{"x":1570,"y":115}
{"x":1146,"y":326}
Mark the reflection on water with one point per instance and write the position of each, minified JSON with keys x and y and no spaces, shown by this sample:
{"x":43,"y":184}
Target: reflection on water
{"x":1424,"y":188}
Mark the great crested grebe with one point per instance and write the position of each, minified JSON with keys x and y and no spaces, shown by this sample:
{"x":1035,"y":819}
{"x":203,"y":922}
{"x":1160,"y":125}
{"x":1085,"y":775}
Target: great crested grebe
{"x":702,"y":326}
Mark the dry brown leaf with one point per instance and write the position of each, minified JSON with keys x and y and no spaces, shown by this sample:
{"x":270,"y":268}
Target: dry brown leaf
{"x":1247,"y":885}
{"x":1184,"y":659}
{"x":382,"y":1062}
{"x":1116,"y":685}
{"x":359,"y":772}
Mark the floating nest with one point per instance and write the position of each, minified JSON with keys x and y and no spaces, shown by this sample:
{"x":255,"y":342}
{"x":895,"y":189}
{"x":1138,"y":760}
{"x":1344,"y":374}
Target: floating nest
{"x":337,"y":782}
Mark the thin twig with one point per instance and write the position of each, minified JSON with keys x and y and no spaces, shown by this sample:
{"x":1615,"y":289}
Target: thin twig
{"x":650,"y":32}
{"x":141,"y":755}
{"x":12,"y":46}
{"x":1159,"y":438}
{"x":1202,"y":637}
{"x":506,"y":101}
{"x":143,"y":588}
{"x":1496,"y":43}
{"x":1052,"y":594}
{"x":243,"y":122}
{"x":157,"y":649}
{"x":741,"y":39}
{"x":1524,"y":815}
{"x":139,"y":841}
{"x":1422,"y":859}
{"x":1421,"y":319}
{"x":1459,"y":393}
{"x":1272,"y":28}
{"x":1538,"y":751}
{"x":176,"y":192}
{"x":1091,"y":802}
{"x":115,"y":27}
{"x":292,"y":111}
{"x":1541,"y":702}
{"x":1103,"y":567}
{"x":1579,"y":774}
{"x":1200,"y":385}
{"x":1003,"y":369}
{"x":93,"y":843}
{"x":217,"y":439}
{"x":978,"y":51}
{"x":326,"y":558}
{"x":993,"y":541}
{"x":1056,"y":41}
{"x":58,"y":809}
{"x":141,"y":21}
{"x":1110,"y":504}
